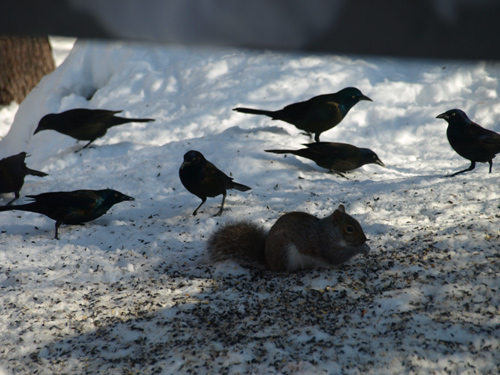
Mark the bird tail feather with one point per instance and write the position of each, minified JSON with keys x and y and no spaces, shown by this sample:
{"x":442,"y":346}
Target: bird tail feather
{"x":35,"y":173}
{"x":281,"y":151}
{"x":240,"y":187}
{"x":255,"y":111}
{"x":125,"y":120}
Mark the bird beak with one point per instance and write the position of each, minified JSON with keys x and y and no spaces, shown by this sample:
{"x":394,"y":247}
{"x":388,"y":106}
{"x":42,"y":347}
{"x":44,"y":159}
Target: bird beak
{"x":363,"y":97}
{"x":127,"y":198}
{"x":443,"y":116}
{"x":36,"y":130}
{"x":379,"y":162}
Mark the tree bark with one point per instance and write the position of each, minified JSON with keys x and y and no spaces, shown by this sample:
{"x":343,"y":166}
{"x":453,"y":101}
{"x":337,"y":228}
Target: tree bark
{"x":23,"y":63}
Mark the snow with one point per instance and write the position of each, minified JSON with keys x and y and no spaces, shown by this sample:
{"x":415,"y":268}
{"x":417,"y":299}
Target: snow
{"x":131,"y":293}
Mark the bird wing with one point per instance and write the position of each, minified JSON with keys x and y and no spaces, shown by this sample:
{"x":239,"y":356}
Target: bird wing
{"x":214,"y":181}
{"x":316,"y":109}
{"x":82,"y":124}
{"x":84,"y":115}
{"x":472,"y":132}
{"x":77,"y":198}
{"x":211,"y":172}
{"x":100,"y":114}
{"x":72,"y":207}
{"x":331,"y":149}
{"x":331,"y":102}
{"x":488,"y":136}
{"x":339,"y":157}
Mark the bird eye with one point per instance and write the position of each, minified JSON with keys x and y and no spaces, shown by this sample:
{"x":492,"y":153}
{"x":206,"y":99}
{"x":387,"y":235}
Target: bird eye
{"x":453,"y":114}
{"x":349,"y":229}
{"x":354,"y":96}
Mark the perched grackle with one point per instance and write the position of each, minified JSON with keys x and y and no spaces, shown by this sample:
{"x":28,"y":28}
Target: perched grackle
{"x":72,"y":207}
{"x":337,"y":157}
{"x":84,"y":124}
{"x":13,"y":169}
{"x":317,"y":114}
{"x":203,"y":179}
{"x":470,"y":140}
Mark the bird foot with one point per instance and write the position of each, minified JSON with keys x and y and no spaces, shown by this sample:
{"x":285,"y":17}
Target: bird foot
{"x":340,"y":174}
{"x":219,"y":213}
{"x":9,"y":203}
{"x":310,"y":135}
{"x":84,"y":148}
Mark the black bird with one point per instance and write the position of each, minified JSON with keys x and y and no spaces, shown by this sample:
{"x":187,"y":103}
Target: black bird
{"x":203,"y":179}
{"x":336,"y":157}
{"x":317,"y":114}
{"x":84,"y":124}
{"x":72,"y":207}
{"x":13,"y":169}
{"x":470,"y":140}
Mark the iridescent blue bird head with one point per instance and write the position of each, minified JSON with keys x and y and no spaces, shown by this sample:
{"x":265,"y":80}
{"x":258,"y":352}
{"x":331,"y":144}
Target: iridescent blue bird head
{"x":455,"y":115}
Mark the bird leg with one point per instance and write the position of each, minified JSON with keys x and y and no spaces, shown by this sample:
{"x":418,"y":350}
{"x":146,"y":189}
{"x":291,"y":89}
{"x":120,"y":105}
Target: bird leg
{"x":472,"y":166}
{"x":222,"y":205}
{"x":16,"y":196}
{"x":203,"y":200}
{"x":309,"y":134}
{"x":87,"y":145}
{"x":339,"y":173}
{"x":58,"y":224}
{"x":491,"y":164}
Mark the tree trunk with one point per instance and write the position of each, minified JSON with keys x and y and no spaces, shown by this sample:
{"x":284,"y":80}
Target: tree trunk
{"x":23,"y":63}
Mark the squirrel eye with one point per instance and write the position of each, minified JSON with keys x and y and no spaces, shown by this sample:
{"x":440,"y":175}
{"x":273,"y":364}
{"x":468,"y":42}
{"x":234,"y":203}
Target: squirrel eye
{"x":349,"y":229}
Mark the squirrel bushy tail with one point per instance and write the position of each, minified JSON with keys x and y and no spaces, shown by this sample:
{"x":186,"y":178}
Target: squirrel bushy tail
{"x":245,"y":240}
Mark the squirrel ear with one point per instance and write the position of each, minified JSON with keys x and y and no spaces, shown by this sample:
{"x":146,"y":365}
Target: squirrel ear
{"x":339,"y":213}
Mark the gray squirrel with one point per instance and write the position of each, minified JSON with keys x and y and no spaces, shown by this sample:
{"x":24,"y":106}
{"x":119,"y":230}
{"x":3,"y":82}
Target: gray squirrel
{"x":297,"y":241}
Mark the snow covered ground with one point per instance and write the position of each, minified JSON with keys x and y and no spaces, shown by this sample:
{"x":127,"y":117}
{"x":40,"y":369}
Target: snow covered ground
{"x":129,"y":293}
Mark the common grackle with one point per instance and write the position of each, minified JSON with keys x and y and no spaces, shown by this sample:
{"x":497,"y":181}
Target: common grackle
{"x":72,"y":207}
{"x":13,"y":169}
{"x":317,"y":114}
{"x":470,"y":140}
{"x":84,"y":124}
{"x":203,"y":179}
{"x":337,"y":157}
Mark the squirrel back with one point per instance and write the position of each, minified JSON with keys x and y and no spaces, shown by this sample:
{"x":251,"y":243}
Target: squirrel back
{"x":297,"y":241}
